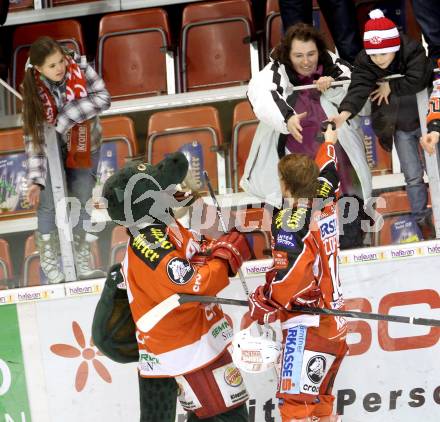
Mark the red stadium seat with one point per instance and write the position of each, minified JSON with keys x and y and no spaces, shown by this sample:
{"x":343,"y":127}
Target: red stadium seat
{"x":120,"y":131}
{"x":273,"y":25}
{"x":31,"y":264}
{"x":13,"y":183}
{"x":68,"y":32}
{"x":11,"y":140}
{"x":396,"y":206}
{"x":136,"y":42}
{"x":383,"y":163}
{"x":118,"y":244}
{"x":215,"y":44}
{"x":244,"y":125}
{"x":395,"y":202}
{"x":256,"y":223}
{"x":253,"y":219}
{"x":65,"y":2}
{"x":118,"y":145}
{"x":196,"y":132}
{"x":253,"y":222}
{"x":259,"y":242}
{"x":6,"y":271}
{"x":18,"y":5}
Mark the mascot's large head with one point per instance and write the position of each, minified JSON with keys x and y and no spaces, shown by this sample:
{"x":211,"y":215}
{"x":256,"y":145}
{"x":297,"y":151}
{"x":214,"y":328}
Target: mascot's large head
{"x":144,"y":193}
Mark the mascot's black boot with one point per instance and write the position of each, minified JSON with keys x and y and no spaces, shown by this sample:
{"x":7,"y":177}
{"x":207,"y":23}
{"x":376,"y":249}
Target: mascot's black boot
{"x":158,"y":398}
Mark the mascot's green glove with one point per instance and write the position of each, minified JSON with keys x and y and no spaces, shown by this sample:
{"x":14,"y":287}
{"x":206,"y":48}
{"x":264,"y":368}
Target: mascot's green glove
{"x":113,"y":328}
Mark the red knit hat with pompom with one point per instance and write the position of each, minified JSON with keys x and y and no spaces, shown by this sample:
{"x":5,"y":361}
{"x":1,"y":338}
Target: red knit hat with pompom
{"x":381,"y":34}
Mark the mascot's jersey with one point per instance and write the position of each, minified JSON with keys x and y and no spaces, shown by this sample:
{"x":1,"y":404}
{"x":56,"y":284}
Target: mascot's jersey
{"x":157,"y":265}
{"x":305,"y":246}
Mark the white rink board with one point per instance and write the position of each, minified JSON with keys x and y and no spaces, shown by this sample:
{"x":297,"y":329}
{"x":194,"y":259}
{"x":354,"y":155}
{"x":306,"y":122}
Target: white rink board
{"x":61,"y":402}
{"x":399,"y":370}
{"x":364,"y":383}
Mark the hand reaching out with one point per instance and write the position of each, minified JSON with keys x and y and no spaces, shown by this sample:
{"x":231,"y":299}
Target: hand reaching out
{"x":294,"y":126}
{"x":340,"y":118}
{"x":33,"y":195}
{"x":381,"y":93}
{"x":429,"y":142}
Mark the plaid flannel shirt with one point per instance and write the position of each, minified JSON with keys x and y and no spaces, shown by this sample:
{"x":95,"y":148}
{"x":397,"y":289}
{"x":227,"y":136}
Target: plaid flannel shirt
{"x":69,"y":114}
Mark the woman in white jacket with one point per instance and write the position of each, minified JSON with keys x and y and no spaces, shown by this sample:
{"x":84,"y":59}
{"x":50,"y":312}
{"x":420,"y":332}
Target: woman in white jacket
{"x":290,"y":119}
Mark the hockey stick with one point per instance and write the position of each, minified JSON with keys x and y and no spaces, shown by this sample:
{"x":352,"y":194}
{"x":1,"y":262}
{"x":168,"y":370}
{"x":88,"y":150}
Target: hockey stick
{"x":341,"y":83}
{"x":152,"y":317}
{"x":224,"y":228}
{"x":347,"y":81}
{"x":147,"y":321}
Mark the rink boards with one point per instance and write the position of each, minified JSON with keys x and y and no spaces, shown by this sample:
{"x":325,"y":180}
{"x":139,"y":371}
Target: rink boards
{"x":50,"y":372}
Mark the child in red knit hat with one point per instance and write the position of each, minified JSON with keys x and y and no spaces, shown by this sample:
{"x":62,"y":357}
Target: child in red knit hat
{"x":394,"y":110}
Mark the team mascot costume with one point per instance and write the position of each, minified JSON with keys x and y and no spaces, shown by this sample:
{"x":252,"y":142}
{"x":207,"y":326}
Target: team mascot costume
{"x":183,"y":355}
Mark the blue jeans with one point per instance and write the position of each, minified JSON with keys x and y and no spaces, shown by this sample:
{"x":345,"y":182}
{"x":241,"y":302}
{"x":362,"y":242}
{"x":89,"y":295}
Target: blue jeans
{"x":412,"y":165}
{"x":80,"y":183}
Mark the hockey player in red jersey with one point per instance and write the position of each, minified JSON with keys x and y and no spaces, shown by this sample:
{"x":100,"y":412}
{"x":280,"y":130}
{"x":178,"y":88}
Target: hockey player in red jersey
{"x":305,"y":243}
{"x":430,"y":140}
{"x":189,"y":344}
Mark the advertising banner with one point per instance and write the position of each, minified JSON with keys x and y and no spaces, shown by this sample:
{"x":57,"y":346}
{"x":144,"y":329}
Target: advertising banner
{"x":13,"y":183}
{"x":391,"y":373}
{"x":81,"y":383}
{"x":14,"y":406}
{"x":107,"y":165}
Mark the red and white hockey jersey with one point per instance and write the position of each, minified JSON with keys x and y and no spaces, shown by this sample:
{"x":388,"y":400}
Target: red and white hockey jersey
{"x":305,"y":245}
{"x":157,"y":265}
{"x":433,"y":118}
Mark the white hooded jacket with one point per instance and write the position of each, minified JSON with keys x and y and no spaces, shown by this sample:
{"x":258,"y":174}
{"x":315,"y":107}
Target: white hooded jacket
{"x":268,"y":92}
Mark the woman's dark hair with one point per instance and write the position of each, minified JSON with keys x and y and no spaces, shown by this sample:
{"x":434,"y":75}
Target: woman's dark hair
{"x":302,"y":32}
{"x":33,"y":111}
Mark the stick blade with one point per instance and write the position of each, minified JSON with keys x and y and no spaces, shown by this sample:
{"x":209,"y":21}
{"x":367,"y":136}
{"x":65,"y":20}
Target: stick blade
{"x":426,"y":321}
{"x":147,"y":321}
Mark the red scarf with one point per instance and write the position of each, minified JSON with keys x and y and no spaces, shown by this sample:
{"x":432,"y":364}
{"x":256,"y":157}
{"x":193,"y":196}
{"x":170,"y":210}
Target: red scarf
{"x":78,"y":138}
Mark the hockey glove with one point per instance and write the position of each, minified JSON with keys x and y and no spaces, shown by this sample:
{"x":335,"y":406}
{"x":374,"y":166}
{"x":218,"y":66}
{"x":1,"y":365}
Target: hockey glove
{"x":263,"y":309}
{"x":310,"y":298}
{"x":204,"y":252}
{"x":233,"y":248}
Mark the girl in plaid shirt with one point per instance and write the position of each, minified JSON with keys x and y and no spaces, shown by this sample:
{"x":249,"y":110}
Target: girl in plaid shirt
{"x":61,"y":91}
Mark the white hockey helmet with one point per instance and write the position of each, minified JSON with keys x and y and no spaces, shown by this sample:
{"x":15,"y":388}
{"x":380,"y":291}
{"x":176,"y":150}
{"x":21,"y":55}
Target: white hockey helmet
{"x":256,"y":353}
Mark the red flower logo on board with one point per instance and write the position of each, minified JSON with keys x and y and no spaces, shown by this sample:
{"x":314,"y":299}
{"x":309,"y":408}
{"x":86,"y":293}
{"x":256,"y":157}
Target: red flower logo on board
{"x":87,"y":355}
